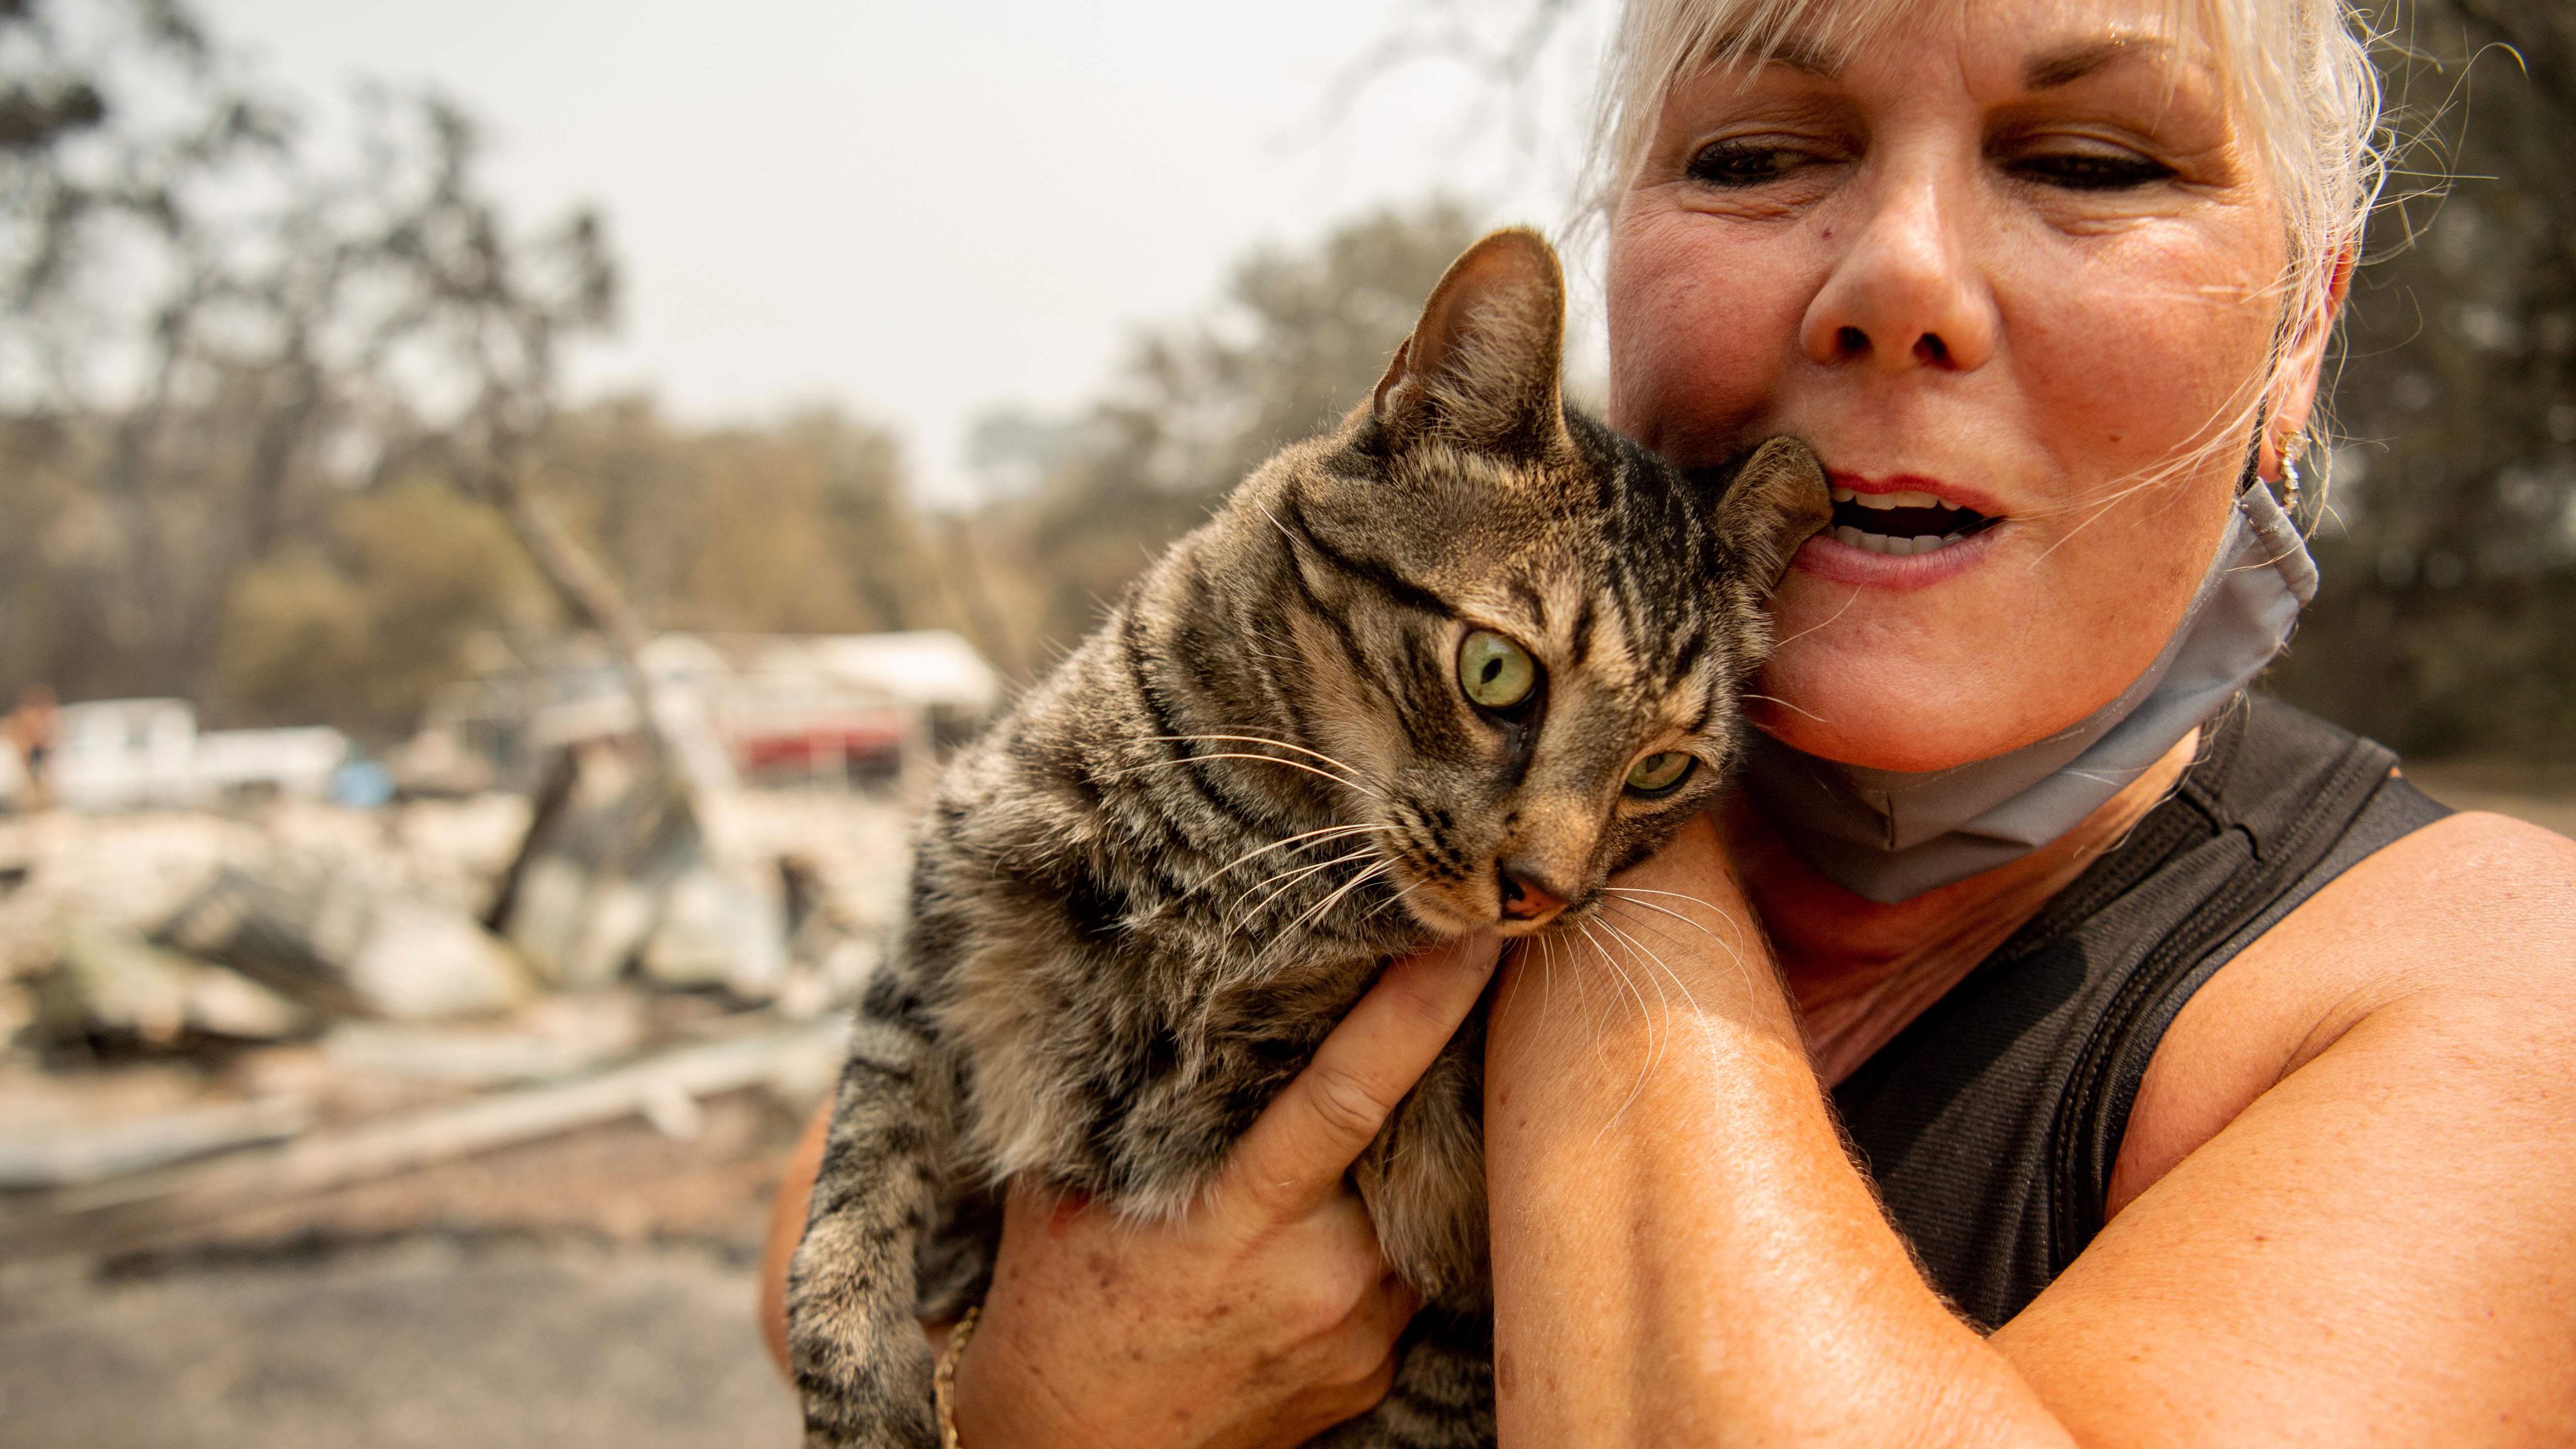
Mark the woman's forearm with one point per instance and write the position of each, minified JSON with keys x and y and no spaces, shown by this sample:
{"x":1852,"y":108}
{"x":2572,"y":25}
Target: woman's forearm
{"x":1682,"y":1253}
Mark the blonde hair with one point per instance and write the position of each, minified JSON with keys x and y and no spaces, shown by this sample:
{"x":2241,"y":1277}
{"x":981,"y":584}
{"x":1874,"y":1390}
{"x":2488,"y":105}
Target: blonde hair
{"x":2298,"y":72}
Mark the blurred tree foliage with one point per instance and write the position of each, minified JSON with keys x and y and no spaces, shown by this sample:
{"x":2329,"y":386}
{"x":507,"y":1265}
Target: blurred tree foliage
{"x":1297,"y":340}
{"x":278,"y":419}
{"x":2447,"y":620}
{"x":799,"y":527}
{"x":361,"y":621}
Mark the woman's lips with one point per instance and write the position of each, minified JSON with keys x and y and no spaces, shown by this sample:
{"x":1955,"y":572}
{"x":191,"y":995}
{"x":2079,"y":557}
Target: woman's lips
{"x":1835,"y":561}
{"x":1900,"y":531}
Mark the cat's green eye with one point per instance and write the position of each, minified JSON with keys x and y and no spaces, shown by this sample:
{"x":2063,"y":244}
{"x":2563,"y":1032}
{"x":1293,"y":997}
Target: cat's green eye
{"x":1495,"y":672}
{"x":1655,"y":774}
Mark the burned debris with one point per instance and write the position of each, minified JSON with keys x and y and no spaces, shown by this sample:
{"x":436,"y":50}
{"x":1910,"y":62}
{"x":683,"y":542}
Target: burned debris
{"x":237,"y":1003}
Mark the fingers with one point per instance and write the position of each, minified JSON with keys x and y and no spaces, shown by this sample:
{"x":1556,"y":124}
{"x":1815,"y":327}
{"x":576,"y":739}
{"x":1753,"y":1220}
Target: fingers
{"x":1382,"y":1314}
{"x":1374,"y":1329}
{"x":1293,"y":1159}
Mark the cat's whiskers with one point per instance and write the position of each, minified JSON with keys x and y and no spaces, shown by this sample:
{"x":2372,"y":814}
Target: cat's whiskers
{"x":1294,"y":874}
{"x":1656,"y":958}
{"x":1812,"y":628}
{"x":1316,"y":910}
{"x":1124,"y":771}
{"x":1628,"y":896}
{"x":1625,"y":979}
{"x":1743,"y":972}
{"x":1784,"y":704}
{"x":1599,"y":1030}
{"x":1733,"y":948}
{"x":1393,"y":900}
{"x":1654,"y":1044}
{"x":1293,"y":551}
{"x":1345,"y":766}
{"x":1329,"y":832}
{"x":1253,"y":964}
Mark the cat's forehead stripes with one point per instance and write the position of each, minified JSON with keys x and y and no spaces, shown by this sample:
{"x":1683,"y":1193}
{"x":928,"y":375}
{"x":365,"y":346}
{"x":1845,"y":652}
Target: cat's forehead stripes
{"x":1525,"y":592}
{"x":1388,"y":579}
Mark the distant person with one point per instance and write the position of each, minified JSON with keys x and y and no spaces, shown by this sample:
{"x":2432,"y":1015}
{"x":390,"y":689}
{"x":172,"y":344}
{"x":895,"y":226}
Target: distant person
{"x":2065,"y":1046}
{"x":30,"y":729}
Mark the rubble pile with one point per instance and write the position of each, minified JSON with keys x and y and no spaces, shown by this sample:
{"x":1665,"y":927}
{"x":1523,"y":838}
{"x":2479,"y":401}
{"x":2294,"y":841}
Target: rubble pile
{"x":205,"y":1011}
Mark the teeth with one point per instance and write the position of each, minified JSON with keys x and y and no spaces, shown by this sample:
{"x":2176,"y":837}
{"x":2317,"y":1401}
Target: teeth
{"x":1888,"y":543}
{"x":1890,"y":500}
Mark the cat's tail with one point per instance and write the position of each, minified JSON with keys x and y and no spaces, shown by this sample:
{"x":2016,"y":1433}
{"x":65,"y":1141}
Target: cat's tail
{"x":861,"y":1361}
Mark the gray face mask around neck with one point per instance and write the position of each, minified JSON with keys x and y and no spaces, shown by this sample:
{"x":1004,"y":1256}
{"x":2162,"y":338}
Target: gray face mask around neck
{"x":1890,"y":836}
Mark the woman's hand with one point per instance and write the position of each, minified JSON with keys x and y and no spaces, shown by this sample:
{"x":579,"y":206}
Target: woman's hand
{"x":1264,"y":1316}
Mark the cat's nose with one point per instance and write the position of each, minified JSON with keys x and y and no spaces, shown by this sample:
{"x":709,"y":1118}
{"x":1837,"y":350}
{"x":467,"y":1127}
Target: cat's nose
{"x":1527,"y":895}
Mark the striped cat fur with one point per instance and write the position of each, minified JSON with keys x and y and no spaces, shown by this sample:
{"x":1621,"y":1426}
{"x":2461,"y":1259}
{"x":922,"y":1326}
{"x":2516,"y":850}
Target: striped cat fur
{"x":1146,"y":894}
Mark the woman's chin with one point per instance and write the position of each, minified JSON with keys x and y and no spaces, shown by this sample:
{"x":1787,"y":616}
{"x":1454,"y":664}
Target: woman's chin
{"x":1786,"y":724}
{"x":1932,"y":661}
{"x":1875,"y":712}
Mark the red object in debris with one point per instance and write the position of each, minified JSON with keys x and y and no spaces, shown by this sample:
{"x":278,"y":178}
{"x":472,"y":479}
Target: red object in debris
{"x":806,"y":748}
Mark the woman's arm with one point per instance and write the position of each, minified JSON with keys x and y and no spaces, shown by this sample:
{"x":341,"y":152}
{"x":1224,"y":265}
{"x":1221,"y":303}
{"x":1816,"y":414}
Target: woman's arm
{"x":1681,"y":1253}
{"x":2376,"y":1247}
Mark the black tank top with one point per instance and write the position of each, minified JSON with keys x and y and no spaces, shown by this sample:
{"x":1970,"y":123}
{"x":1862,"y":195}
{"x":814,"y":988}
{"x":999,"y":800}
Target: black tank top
{"x":1991,"y":1123}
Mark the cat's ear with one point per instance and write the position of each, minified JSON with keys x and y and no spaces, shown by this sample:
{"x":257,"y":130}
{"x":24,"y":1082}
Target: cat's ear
{"x":1777,"y":501}
{"x":1480,"y":370}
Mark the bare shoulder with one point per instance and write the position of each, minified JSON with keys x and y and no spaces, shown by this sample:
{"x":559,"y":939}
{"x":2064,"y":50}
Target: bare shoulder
{"x":2345,"y":1208}
{"x":2451,"y":925}
{"x":2460,"y":880}
{"x":2473,"y":906}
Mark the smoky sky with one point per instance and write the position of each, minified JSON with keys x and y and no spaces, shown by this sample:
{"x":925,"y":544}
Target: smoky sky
{"x":910,"y":210}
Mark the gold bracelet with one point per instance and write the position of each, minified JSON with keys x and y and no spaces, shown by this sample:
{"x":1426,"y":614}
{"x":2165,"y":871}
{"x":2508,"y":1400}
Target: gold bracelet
{"x":943,"y":1381}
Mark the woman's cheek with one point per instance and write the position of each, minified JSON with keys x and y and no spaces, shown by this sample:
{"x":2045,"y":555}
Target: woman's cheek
{"x":2145,"y":364}
{"x":1703,"y":316}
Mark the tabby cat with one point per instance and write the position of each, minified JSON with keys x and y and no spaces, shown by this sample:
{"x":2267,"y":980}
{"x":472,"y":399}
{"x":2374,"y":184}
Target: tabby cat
{"x":1444,"y":667}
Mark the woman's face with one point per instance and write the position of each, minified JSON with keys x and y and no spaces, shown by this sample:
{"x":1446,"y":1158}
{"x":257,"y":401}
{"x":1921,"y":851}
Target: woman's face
{"x":2011,"y":258}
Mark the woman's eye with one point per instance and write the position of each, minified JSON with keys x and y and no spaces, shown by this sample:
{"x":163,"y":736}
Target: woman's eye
{"x":2089,"y":171}
{"x":1741,"y":163}
{"x":1495,"y":672}
{"x":1656,"y":774}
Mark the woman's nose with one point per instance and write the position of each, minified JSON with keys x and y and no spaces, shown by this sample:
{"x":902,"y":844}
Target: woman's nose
{"x":1902,"y":295}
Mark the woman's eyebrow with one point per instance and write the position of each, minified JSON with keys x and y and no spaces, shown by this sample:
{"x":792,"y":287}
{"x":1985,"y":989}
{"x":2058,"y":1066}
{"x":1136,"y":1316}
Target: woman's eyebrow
{"x":2072,"y":63}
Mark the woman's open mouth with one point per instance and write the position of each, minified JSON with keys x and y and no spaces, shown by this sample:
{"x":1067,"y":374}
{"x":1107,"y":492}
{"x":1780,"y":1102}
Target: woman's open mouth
{"x":1901,"y":523}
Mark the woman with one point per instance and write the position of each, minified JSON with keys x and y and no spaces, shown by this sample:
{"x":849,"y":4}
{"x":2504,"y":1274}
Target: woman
{"x":2220,"y":1078}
